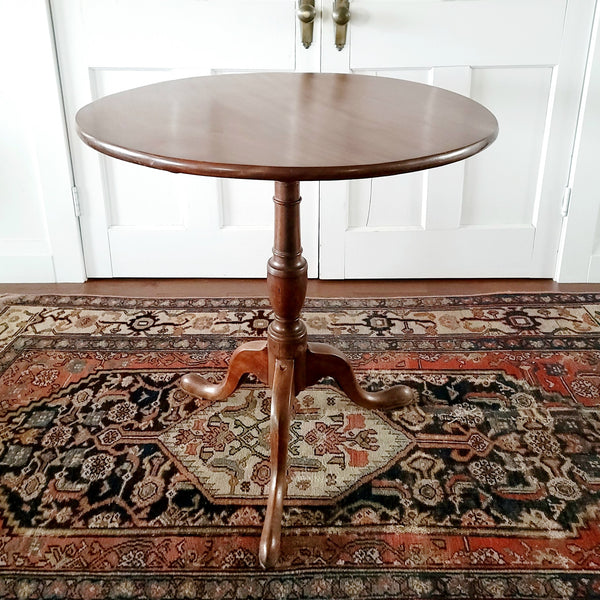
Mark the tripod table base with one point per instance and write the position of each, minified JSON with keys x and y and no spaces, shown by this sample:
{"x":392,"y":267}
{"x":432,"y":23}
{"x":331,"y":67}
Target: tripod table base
{"x":319,"y":360}
{"x":286,"y":362}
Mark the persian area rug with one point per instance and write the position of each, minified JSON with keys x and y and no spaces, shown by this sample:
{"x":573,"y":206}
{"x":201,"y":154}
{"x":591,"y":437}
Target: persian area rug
{"x":116,"y":484}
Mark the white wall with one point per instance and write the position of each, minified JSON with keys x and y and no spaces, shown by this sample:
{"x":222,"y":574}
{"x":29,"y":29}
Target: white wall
{"x":39,"y":233}
{"x":579,"y":258}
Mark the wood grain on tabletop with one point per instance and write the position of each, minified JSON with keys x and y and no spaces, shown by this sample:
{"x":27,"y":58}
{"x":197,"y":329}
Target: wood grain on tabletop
{"x":288,"y":126}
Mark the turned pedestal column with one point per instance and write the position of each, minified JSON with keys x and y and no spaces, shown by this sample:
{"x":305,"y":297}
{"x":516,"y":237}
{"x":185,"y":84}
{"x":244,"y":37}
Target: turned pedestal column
{"x":286,"y":362}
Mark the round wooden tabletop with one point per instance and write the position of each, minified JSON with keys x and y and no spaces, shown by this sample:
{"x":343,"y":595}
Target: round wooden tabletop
{"x":288,"y":126}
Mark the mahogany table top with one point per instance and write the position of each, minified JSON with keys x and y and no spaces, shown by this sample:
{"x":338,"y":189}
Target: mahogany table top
{"x":288,"y":126}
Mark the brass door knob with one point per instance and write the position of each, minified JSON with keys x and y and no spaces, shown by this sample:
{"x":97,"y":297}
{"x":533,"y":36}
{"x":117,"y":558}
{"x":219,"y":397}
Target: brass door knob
{"x":306,"y":14}
{"x":341,"y":16}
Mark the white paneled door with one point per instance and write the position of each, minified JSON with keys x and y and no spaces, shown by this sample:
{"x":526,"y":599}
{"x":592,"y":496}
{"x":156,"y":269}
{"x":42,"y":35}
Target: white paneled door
{"x":139,"y":222}
{"x":497,"y":214}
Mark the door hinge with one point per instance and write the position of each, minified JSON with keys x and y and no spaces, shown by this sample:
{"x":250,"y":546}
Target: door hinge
{"x":566,"y":201}
{"x":76,"y":204}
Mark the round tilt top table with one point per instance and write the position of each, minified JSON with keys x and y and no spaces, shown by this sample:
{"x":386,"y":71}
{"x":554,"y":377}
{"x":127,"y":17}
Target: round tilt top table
{"x":288,"y":127}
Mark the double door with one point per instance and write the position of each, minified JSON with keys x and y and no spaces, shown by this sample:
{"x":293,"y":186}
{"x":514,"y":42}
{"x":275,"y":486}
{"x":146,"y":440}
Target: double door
{"x":497,"y":214}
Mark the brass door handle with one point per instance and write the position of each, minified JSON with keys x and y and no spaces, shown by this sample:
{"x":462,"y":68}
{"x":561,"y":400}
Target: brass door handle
{"x":306,"y":14}
{"x":341,"y":16}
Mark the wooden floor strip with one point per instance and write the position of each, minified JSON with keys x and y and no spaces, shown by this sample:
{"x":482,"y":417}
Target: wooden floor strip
{"x":316,"y":288}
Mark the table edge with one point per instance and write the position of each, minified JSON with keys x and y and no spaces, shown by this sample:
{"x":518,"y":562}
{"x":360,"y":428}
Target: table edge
{"x":283,"y":173}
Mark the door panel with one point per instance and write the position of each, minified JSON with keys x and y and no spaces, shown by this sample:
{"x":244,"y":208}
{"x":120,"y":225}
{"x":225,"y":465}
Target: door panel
{"x":508,"y":195}
{"x":457,"y":32}
{"x":141,"y":222}
{"x":498,"y":213}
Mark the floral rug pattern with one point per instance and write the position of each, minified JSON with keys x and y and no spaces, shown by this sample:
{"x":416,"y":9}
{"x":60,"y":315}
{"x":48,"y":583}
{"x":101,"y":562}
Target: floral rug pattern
{"x":116,"y":484}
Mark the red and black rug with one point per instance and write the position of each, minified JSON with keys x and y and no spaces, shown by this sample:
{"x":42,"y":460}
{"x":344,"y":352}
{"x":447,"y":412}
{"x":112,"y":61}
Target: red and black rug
{"x":116,"y":484}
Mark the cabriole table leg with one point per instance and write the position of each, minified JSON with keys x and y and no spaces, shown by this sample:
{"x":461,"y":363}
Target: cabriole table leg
{"x":251,"y":357}
{"x":281,"y":407}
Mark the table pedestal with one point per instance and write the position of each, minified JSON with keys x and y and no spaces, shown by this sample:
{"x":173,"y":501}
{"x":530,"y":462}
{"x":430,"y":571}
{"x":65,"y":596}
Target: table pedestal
{"x":286,"y":362}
